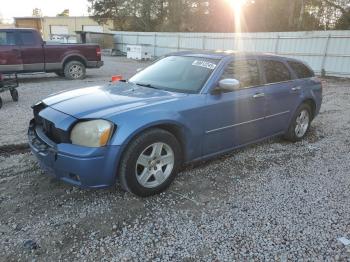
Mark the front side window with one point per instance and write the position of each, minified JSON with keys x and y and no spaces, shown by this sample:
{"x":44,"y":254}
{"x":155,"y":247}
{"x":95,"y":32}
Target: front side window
{"x":177,"y":73}
{"x":301,"y":70}
{"x":7,"y":38}
{"x":275,"y":71}
{"x":245,"y":71}
{"x":27,"y":38}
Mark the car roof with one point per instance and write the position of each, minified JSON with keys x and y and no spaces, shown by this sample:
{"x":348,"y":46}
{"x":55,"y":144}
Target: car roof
{"x":229,"y":53}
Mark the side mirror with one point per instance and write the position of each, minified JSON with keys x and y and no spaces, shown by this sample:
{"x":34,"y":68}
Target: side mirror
{"x":229,"y":84}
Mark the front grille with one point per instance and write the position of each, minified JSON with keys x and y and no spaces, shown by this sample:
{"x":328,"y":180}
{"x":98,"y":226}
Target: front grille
{"x":50,"y":130}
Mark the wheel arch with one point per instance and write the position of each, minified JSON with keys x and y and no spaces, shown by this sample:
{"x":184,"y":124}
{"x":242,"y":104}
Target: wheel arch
{"x":311,"y":102}
{"x":74,"y":57}
{"x":175,"y":129}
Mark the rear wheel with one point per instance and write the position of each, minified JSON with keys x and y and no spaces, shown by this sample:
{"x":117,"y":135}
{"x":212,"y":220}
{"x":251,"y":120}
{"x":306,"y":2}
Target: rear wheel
{"x":300,"y":123}
{"x":0,"y":103}
{"x":14,"y":94}
{"x":74,"y":70}
{"x":150,"y":163}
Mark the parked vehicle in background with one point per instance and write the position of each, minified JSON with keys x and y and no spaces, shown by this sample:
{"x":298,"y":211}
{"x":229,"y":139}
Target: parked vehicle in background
{"x":183,"y":108}
{"x":23,"y":51}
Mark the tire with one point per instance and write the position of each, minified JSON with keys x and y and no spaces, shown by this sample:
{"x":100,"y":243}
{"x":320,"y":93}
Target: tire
{"x":300,"y":123}
{"x":74,"y":70}
{"x":60,"y":73}
{"x":14,"y":95}
{"x":0,"y":103}
{"x":142,"y":170}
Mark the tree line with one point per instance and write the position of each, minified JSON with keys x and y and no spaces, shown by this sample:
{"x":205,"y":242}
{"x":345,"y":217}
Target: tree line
{"x":218,"y":15}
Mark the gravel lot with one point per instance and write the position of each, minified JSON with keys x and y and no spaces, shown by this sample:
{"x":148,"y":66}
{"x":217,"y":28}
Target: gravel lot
{"x":270,"y":201}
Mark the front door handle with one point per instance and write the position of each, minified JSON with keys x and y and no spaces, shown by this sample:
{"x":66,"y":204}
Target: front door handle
{"x":17,"y":52}
{"x":296,"y":88}
{"x":259,"y":95}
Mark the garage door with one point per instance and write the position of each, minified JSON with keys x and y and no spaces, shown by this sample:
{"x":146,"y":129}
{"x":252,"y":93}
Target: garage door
{"x":93,"y":28}
{"x":59,"y":30}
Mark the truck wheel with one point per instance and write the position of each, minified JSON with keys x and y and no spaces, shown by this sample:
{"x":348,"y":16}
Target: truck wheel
{"x":14,"y":95}
{"x":74,"y":70}
{"x":60,"y":73}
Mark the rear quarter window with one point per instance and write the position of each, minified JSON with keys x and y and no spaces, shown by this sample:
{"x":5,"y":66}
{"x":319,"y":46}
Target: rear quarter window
{"x":7,"y":38}
{"x":276,"y":71}
{"x":301,"y":70}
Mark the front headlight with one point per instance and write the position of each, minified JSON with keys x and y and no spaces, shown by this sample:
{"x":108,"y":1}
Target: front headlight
{"x":93,"y":133}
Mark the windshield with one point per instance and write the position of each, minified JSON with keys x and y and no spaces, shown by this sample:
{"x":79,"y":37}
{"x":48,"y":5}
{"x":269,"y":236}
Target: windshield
{"x":177,"y":73}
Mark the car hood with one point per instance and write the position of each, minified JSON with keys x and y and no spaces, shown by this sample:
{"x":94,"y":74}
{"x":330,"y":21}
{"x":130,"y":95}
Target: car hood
{"x":104,"y":101}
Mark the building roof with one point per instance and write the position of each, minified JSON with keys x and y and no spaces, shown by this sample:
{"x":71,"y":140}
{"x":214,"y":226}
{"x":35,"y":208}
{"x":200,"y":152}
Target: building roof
{"x":27,"y":17}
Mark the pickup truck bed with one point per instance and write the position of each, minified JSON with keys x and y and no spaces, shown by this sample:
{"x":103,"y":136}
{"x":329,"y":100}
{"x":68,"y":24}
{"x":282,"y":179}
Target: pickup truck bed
{"x":23,"y":50}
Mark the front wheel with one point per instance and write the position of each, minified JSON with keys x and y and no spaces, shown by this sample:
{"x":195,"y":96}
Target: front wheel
{"x":300,"y":123}
{"x":150,"y":163}
{"x":74,"y":70}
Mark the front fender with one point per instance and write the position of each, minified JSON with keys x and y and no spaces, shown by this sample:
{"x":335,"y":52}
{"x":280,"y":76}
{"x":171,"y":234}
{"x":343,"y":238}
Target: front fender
{"x":128,"y":129}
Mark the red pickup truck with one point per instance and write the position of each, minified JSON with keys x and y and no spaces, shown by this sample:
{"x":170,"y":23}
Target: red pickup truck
{"x":23,"y":50}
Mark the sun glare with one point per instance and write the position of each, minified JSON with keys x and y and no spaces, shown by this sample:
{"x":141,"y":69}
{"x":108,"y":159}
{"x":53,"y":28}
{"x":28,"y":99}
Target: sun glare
{"x":236,"y":6}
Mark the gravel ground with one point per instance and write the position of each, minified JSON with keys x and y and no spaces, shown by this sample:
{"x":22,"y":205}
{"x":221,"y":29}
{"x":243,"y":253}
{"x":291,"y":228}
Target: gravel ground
{"x":270,"y":201}
{"x":15,"y":117}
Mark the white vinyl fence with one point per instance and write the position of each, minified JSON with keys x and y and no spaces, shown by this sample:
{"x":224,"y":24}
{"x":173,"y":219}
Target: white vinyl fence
{"x":324,"y":51}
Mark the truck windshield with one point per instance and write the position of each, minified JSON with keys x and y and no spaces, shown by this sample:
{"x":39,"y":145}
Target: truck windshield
{"x":177,"y":73}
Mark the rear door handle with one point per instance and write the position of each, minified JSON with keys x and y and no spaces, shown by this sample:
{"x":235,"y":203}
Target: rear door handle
{"x":296,"y":88}
{"x":259,"y":95}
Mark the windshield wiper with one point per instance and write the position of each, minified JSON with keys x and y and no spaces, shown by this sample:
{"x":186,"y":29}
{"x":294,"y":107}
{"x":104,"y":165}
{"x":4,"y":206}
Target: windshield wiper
{"x":146,"y":85}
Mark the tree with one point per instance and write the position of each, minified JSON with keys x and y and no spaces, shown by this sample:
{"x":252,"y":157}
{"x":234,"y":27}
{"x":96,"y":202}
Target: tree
{"x":218,"y":16}
{"x":344,"y":21}
{"x":64,"y":13}
{"x":37,"y":12}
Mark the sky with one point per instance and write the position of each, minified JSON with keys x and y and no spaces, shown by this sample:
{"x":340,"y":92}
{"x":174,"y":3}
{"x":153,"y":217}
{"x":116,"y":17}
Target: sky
{"x":15,"y":8}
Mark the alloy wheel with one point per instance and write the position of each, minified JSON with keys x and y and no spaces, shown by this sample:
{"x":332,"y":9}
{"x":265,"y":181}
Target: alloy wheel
{"x":76,"y":71}
{"x":154,"y":165}
{"x":302,"y":123}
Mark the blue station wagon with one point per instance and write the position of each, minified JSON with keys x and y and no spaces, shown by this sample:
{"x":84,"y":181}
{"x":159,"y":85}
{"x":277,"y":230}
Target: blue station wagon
{"x":184,"y":107}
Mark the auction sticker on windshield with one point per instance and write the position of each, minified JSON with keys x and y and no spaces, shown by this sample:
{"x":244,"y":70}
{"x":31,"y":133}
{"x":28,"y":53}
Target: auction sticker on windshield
{"x":204,"y":64}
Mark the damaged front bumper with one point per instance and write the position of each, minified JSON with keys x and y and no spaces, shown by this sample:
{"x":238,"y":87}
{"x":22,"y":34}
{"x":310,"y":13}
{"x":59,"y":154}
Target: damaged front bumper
{"x":80,"y":166}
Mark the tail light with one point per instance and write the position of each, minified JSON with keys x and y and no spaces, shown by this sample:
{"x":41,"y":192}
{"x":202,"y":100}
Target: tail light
{"x":320,"y":81}
{"x":323,"y":83}
{"x":98,"y":53}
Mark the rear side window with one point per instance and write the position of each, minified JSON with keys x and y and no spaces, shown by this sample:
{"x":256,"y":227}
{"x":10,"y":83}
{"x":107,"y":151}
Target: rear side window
{"x":27,"y":38}
{"x":245,"y":71}
{"x":7,"y":38}
{"x":301,"y":70}
{"x":275,"y":71}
